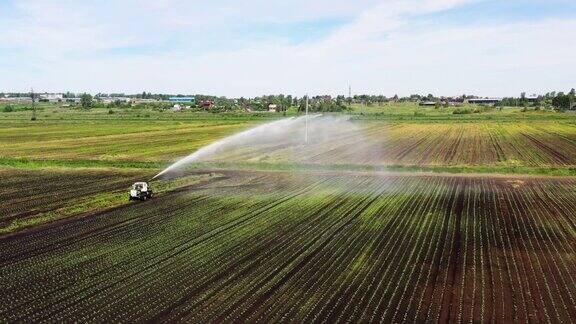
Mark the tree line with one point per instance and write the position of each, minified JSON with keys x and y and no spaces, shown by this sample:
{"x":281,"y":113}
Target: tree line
{"x":319,"y":103}
{"x":557,"y":100}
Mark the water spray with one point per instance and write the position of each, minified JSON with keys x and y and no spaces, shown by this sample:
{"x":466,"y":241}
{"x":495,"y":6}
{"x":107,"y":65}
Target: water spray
{"x":237,"y":139}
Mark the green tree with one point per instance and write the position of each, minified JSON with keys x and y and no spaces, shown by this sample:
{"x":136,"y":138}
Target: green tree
{"x":561,"y":101}
{"x":86,"y":101}
{"x":523,"y":101}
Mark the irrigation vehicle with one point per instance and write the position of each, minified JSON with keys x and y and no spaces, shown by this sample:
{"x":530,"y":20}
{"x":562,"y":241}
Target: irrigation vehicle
{"x":140,"y":191}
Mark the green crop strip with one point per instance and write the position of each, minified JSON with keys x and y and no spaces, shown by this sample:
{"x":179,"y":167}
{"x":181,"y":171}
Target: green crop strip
{"x":286,"y":166}
{"x":291,"y":166}
{"x":24,"y":163}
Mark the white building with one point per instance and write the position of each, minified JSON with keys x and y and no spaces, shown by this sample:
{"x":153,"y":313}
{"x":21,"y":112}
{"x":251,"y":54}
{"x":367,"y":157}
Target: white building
{"x":16,"y":99}
{"x":109,"y":100}
{"x":52,"y":97}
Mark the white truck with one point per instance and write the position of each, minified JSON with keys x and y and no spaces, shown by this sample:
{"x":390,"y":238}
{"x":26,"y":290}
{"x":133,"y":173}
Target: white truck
{"x":140,"y":191}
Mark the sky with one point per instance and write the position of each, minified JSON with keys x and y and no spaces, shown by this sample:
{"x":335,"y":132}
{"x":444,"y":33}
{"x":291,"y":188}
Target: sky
{"x":259,"y":47}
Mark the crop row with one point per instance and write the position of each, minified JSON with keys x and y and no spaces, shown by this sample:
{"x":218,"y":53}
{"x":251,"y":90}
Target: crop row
{"x":27,"y":194}
{"x":308,"y":248}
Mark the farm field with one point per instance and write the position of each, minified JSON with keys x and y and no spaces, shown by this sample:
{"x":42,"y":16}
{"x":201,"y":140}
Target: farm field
{"x":540,"y":147}
{"x":380,"y":217}
{"x":31,"y":197}
{"x":34,"y":197}
{"x":545,"y":144}
{"x":307,"y":247}
{"x":276,"y":162}
{"x":114,"y":140}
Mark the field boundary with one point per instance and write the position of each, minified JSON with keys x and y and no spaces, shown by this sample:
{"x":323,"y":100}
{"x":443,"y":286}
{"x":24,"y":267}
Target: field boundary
{"x":33,"y":164}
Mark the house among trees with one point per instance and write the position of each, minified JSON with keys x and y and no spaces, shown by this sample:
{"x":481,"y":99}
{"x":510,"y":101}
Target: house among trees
{"x":51,"y":97}
{"x":427,"y":103}
{"x":272,"y":108}
{"x":181,"y":99}
{"x":206,"y":104}
{"x":484,"y":101}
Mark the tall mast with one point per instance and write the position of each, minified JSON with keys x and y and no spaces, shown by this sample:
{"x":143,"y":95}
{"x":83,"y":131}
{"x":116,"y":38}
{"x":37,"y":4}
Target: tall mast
{"x":33,"y":104}
{"x":306,"y":134}
{"x":349,"y":95}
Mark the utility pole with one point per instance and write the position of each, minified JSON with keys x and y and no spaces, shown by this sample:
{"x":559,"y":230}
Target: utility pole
{"x":349,"y":95}
{"x":306,"y":133}
{"x":33,"y":104}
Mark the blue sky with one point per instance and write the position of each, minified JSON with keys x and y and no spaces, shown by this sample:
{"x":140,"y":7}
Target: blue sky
{"x":255,"y":47}
{"x":509,"y":10}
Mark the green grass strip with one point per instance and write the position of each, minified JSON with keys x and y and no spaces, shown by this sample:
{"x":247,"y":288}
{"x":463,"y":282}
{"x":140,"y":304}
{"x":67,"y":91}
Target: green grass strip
{"x":23,"y":163}
{"x":289,"y":166}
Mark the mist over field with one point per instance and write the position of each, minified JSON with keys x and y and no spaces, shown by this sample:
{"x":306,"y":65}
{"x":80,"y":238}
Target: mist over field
{"x":297,"y":139}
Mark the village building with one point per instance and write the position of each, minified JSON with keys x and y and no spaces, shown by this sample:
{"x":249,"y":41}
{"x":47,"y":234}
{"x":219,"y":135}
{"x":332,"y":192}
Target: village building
{"x":181,"y":99}
{"x":51,"y":97}
{"x":427,"y":103}
{"x":483,"y":101}
{"x":206,"y":104}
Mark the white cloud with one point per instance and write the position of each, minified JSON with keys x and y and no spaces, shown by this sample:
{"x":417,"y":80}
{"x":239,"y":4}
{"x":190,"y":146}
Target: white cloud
{"x":380,"y":51}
